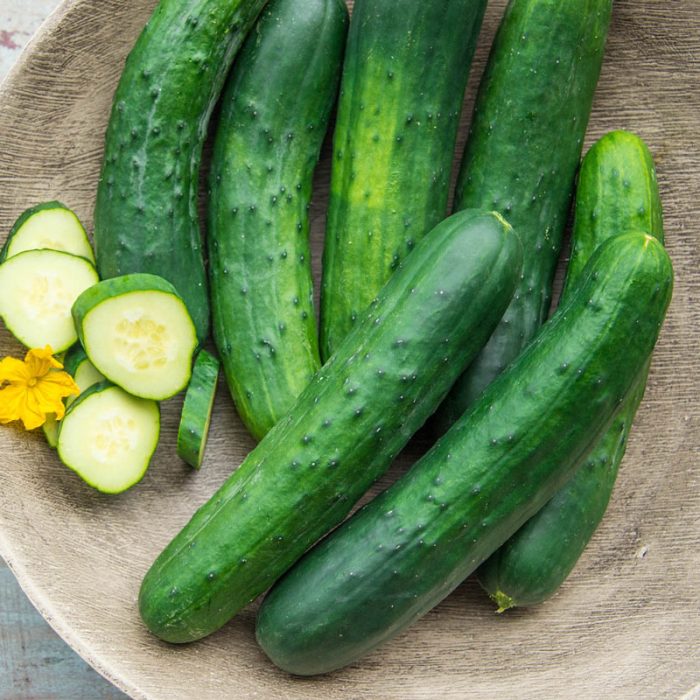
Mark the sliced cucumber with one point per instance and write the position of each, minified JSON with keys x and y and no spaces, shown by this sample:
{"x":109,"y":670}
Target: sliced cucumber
{"x":108,"y":437}
{"x":50,"y":225}
{"x":196,"y":412}
{"x":137,"y":332}
{"x":37,"y":291}
{"x":85,"y":374}
{"x":51,"y":428}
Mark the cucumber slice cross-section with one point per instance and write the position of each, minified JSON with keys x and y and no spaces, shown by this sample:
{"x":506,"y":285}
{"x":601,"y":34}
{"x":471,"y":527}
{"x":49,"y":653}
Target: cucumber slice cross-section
{"x":197,"y":409}
{"x":137,"y":332}
{"x":37,"y":291}
{"x":84,"y":373}
{"x":50,"y":225}
{"x":108,"y":437}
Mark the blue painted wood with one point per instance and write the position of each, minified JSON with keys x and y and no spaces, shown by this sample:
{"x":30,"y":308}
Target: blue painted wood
{"x":35,"y":663}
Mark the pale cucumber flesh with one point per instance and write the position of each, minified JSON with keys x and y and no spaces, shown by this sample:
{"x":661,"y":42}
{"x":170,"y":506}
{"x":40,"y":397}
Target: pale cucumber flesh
{"x":54,"y":229}
{"x":142,"y":341}
{"x":37,"y":291}
{"x":108,"y":438}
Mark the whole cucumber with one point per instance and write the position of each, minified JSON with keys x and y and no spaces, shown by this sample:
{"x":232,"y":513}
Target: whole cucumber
{"x":410,"y":547}
{"x":146,"y":217}
{"x":522,"y":155}
{"x":268,"y":141}
{"x":405,"y":72}
{"x":345,"y":429}
{"x":617,"y":192}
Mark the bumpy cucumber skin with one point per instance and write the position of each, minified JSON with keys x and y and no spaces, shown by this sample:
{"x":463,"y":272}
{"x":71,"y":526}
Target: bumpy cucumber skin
{"x":267,"y":145}
{"x":617,"y":192}
{"x":84,"y":396}
{"x":114,"y":287}
{"x":405,"y":72}
{"x":359,"y":411}
{"x":28,"y":214}
{"x":146,"y":217}
{"x":410,"y":547}
{"x":522,"y":155}
{"x":196,"y":411}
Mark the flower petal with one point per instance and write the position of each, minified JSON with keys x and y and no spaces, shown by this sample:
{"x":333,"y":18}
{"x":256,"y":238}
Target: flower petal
{"x":40,"y":362}
{"x":13,"y":371}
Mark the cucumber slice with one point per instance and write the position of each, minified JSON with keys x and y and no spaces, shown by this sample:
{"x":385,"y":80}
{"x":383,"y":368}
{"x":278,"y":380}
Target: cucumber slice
{"x":50,"y":225}
{"x":78,"y":365}
{"x":196,"y":411}
{"x":108,"y":437}
{"x":138,"y":333}
{"x":37,"y":291}
{"x":51,"y":428}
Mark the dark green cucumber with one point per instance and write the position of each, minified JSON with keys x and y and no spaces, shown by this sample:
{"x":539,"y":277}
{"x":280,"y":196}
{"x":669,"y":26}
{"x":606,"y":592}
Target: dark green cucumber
{"x":617,"y":192}
{"x":196,"y":411}
{"x":49,"y":225}
{"x":359,"y":411}
{"x":146,"y":217}
{"x":267,"y":145}
{"x":522,"y":155}
{"x":406,"y":68}
{"x":410,"y":547}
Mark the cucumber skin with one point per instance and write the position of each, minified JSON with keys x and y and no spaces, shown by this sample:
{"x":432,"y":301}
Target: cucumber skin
{"x":267,"y":145}
{"x":617,"y":192}
{"x":522,"y":156}
{"x":146,"y":217}
{"x":359,"y":411}
{"x":393,"y":145}
{"x":26,"y":215}
{"x":196,"y":411}
{"x":410,"y":547}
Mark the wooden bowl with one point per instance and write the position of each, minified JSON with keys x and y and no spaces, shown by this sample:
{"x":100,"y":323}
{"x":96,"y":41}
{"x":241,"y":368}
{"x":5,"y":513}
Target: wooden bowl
{"x":626,"y":623}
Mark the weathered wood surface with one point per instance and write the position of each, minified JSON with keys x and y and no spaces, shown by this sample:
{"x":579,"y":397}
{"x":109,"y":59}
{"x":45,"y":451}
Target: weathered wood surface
{"x":626,"y":624}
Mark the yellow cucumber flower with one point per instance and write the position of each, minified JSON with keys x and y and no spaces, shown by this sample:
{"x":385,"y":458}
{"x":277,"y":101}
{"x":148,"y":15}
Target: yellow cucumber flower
{"x":32,"y":389}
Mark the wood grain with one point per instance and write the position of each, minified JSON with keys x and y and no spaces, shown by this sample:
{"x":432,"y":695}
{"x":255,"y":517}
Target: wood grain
{"x":626,"y":624}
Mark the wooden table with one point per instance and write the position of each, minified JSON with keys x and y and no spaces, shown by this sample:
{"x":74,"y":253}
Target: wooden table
{"x":34,"y":661}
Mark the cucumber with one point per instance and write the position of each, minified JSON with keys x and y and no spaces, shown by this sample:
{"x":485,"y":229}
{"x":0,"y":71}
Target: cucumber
{"x":410,"y":547}
{"x":50,"y":225}
{"x":617,"y":192}
{"x":51,"y":428}
{"x":108,"y":437}
{"x":137,"y":332}
{"x":37,"y":291}
{"x":359,"y":411}
{"x":406,"y":67}
{"x":522,"y":155}
{"x":268,"y":141}
{"x":196,"y":411}
{"x":146,"y":217}
{"x":76,"y":363}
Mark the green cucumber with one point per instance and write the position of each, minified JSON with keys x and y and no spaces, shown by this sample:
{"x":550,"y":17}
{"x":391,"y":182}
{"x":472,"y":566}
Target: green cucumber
{"x":410,"y":547}
{"x":78,"y":365}
{"x":50,"y":225}
{"x":84,"y":374}
{"x":617,"y":192}
{"x":522,"y":155}
{"x":267,"y":145}
{"x":108,"y":437}
{"x":137,"y":332}
{"x":146,"y":217}
{"x":37,"y":291}
{"x":359,"y":411}
{"x":196,"y":411}
{"x":406,"y":67}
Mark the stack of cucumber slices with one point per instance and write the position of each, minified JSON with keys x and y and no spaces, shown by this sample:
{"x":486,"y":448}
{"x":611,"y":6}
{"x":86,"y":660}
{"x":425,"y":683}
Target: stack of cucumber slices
{"x":128,"y":342}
